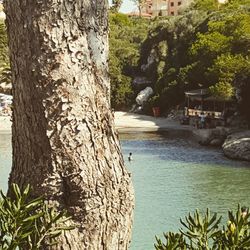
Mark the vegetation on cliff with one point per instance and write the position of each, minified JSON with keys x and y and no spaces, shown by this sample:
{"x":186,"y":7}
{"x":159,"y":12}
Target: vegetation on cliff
{"x":207,"y":46}
{"x":126,"y":37}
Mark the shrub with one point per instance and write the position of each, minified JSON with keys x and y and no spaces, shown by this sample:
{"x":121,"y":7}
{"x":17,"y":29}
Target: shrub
{"x":28,"y":224}
{"x":203,"y":232}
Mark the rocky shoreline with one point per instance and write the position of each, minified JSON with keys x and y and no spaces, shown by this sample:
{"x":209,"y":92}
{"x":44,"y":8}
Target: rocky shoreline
{"x":235,"y":143}
{"x":237,"y":146}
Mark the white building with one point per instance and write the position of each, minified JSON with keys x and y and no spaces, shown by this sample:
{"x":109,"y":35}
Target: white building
{"x":164,"y":7}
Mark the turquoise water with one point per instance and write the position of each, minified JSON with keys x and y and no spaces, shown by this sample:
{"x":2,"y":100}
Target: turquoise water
{"x":172,"y":175}
{"x":5,"y":160}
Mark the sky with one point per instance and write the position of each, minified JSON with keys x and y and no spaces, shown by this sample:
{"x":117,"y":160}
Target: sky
{"x":127,"y":6}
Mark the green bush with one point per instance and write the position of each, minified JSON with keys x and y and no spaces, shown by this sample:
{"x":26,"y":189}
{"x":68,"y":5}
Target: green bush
{"x":125,"y":38}
{"x":28,"y":224}
{"x":204,"y":232}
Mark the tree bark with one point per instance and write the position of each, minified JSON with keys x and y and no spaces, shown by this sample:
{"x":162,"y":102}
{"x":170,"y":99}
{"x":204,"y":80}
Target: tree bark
{"x":64,"y":141}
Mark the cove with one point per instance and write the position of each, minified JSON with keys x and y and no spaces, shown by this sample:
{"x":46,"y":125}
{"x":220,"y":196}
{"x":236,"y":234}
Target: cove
{"x":172,"y":175}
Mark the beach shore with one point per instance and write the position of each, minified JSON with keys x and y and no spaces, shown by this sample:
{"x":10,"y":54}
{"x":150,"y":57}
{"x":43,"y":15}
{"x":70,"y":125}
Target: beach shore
{"x":124,"y":122}
{"x":5,"y":124}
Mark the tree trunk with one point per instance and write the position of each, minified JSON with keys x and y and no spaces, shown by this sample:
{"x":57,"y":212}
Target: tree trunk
{"x":64,"y":142}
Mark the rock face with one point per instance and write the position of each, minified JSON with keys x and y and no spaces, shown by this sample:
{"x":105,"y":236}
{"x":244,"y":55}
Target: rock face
{"x":151,"y":59}
{"x":144,"y":95}
{"x":237,"y":146}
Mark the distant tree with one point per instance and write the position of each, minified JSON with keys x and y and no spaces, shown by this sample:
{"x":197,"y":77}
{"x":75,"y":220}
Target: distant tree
{"x":5,"y":79}
{"x":140,"y":4}
{"x":4,"y":51}
{"x":233,"y":73}
{"x":205,"y":5}
{"x":116,"y":5}
{"x":222,"y":90}
{"x":5,"y":75}
{"x":126,"y":35}
{"x":197,"y":43}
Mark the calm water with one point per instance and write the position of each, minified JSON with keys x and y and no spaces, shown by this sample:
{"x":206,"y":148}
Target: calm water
{"x":172,"y":175}
{"x":5,"y":160}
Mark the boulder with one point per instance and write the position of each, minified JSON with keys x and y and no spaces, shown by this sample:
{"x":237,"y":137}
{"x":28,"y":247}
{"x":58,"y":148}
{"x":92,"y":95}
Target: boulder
{"x":144,"y":95}
{"x":216,"y":142}
{"x":237,"y":146}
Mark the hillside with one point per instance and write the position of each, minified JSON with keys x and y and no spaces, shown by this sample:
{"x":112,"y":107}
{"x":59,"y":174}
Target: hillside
{"x":207,"y":46}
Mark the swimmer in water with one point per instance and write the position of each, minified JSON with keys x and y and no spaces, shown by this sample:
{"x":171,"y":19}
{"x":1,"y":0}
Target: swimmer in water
{"x":130,"y":157}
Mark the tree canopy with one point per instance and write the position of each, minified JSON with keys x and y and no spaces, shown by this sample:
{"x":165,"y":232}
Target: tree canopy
{"x":207,"y":46}
{"x":126,"y":37}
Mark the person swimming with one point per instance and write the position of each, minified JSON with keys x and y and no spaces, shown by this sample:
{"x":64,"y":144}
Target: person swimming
{"x":130,"y":157}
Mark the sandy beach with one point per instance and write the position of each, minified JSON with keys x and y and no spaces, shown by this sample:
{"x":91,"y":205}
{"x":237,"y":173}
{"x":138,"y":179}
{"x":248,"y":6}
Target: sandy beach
{"x":124,"y":122}
{"x":5,"y":124}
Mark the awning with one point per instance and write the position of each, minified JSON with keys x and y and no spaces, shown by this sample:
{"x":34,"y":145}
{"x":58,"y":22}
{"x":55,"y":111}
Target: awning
{"x":197,"y":92}
{"x":204,"y":94}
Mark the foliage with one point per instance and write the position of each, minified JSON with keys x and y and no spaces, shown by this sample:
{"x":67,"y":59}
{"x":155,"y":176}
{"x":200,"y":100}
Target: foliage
{"x":222,"y":90}
{"x":4,"y":55}
{"x":204,"y":232}
{"x":28,"y":224}
{"x":140,"y":4}
{"x":205,"y":5}
{"x":154,"y":101}
{"x":172,"y":69}
{"x":231,"y":68}
{"x":208,"y":46}
{"x":5,"y":80}
{"x":126,"y":36}
{"x":5,"y":75}
{"x":116,"y":5}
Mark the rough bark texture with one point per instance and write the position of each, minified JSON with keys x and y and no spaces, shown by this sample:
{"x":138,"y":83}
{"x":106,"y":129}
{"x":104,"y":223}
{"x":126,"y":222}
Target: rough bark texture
{"x":64,"y":142}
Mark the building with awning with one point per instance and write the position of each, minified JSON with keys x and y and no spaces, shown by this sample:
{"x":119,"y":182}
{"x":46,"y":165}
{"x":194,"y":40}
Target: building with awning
{"x":201,"y":100}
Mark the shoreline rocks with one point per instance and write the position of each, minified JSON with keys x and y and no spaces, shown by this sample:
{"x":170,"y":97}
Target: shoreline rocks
{"x":211,"y":137}
{"x":237,"y":146}
{"x":234,"y":143}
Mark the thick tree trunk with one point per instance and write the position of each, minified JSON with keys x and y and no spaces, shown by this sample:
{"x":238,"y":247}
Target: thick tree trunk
{"x":64,"y":142}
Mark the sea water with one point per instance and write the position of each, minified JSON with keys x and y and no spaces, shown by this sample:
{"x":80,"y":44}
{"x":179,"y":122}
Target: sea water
{"x":172,"y":175}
